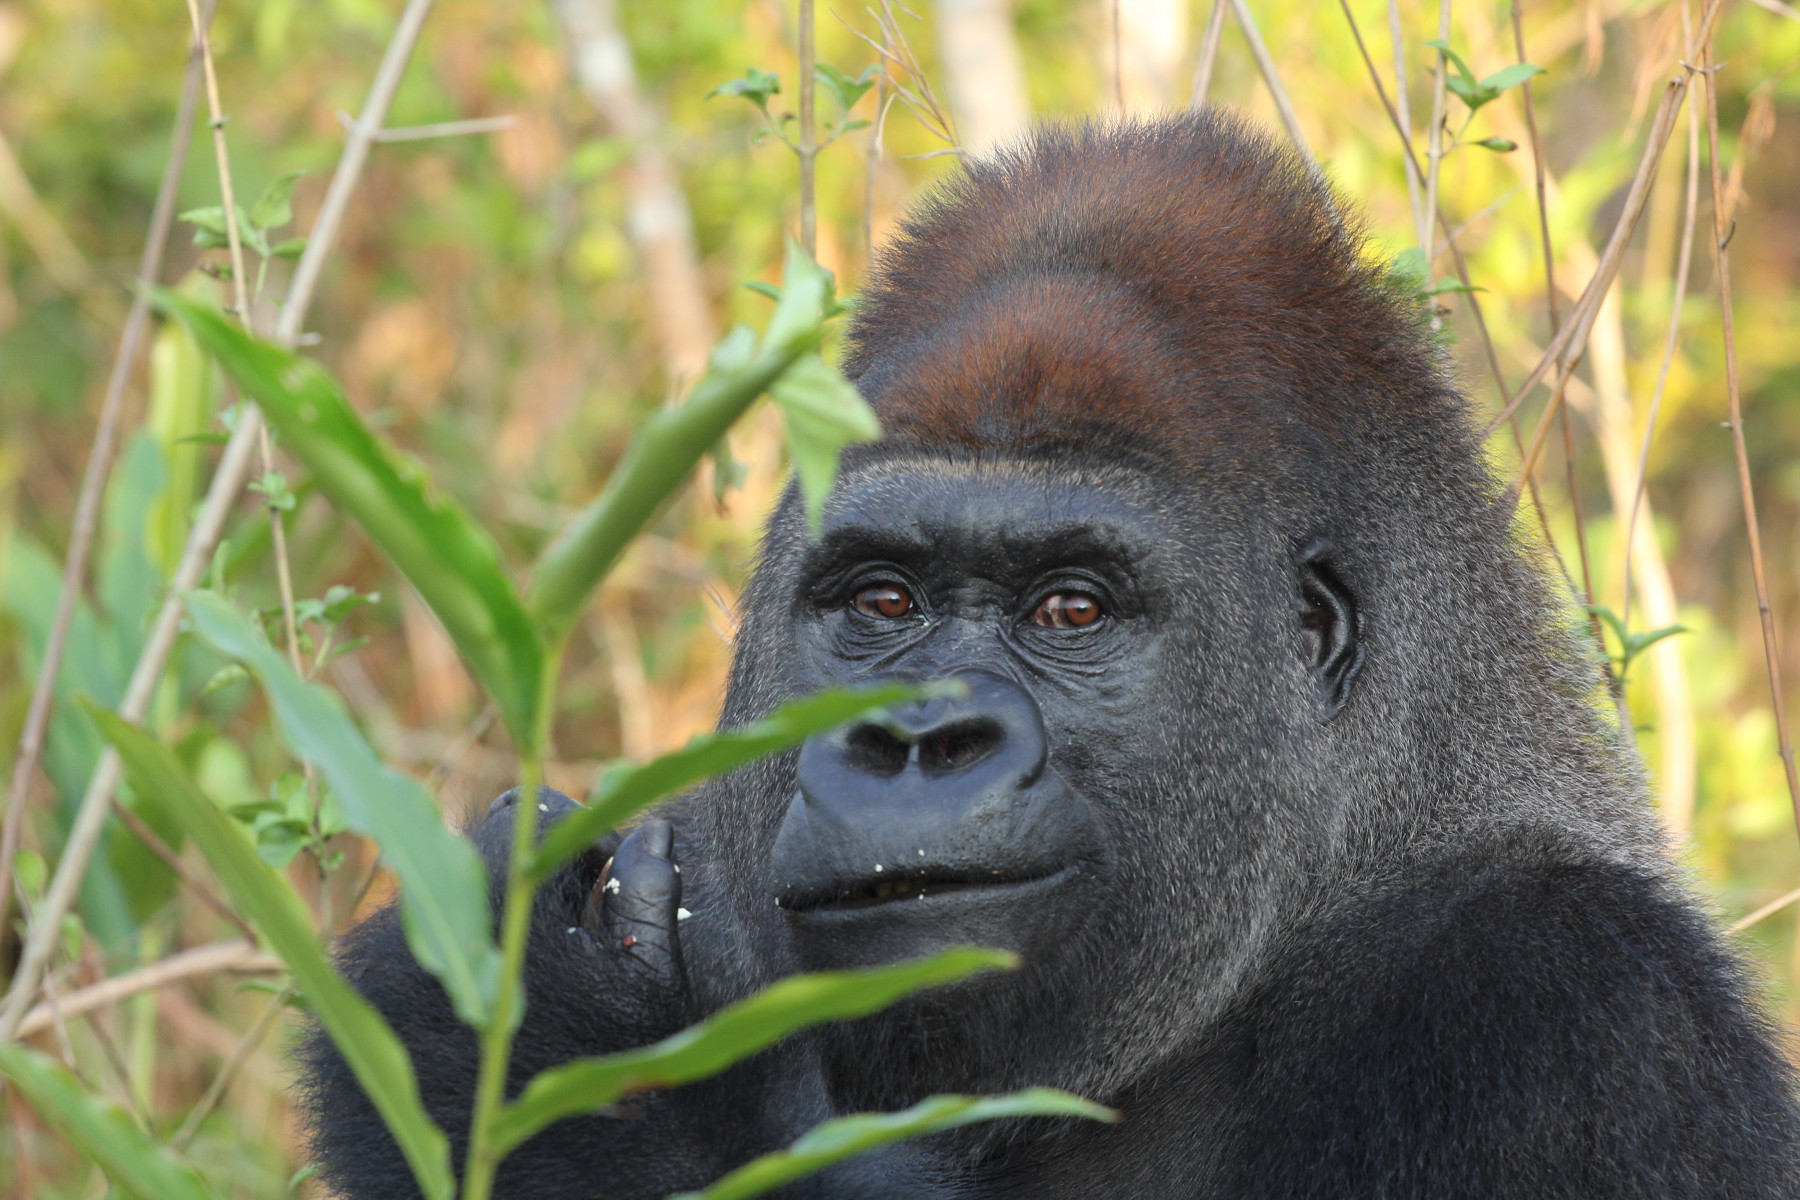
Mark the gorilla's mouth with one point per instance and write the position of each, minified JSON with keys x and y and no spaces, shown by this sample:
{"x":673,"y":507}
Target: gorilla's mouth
{"x":886,"y":888}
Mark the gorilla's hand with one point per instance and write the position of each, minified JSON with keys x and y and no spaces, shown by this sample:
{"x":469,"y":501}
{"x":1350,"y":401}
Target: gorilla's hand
{"x":604,"y":928}
{"x":635,"y":905}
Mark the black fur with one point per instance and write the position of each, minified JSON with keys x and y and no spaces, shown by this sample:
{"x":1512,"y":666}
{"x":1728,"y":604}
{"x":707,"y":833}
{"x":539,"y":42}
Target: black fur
{"x":1329,"y":866}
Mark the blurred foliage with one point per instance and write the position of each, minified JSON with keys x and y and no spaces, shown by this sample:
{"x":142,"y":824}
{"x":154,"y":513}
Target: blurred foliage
{"x":487,"y":311}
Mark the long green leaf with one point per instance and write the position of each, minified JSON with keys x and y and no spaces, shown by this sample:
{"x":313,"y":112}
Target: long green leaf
{"x":733,"y":1034}
{"x":846,"y":1137}
{"x":368,"y":1045}
{"x":438,"y":547}
{"x":443,"y":885}
{"x":625,"y":792}
{"x":100,"y":1129}
{"x":669,"y":445}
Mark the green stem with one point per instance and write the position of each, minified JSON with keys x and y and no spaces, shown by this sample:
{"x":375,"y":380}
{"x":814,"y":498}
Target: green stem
{"x":515,"y":925}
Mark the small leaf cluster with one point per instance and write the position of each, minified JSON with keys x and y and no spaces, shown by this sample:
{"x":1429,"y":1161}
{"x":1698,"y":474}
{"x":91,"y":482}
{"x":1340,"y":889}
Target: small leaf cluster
{"x":1631,"y":645}
{"x":273,"y":210}
{"x":759,"y":87}
{"x":1477,"y":94}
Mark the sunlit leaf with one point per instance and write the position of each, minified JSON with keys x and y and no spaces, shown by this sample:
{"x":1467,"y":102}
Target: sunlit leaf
{"x":843,"y":88}
{"x":733,"y":1034}
{"x":846,"y":1137}
{"x":365,"y":1040}
{"x":439,"y":548}
{"x":670,"y":444}
{"x":443,"y":884}
{"x":274,"y":208}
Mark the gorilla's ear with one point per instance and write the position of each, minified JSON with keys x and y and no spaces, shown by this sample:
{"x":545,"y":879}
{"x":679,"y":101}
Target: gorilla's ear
{"x":1329,"y":627}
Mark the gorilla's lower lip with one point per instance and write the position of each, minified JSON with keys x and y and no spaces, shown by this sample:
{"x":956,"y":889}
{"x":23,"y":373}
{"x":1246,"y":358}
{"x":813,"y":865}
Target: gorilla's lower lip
{"x":878,"y":891}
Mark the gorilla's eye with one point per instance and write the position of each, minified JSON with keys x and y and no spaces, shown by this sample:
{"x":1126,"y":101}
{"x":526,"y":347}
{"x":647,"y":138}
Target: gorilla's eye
{"x":886,"y":600}
{"x":1067,"y":610}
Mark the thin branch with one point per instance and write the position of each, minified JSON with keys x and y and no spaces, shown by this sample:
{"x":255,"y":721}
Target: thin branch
{"x":61,"y":260}
{"x":1670,"y":340}
{"x":1209,"y":55}
{"x":924,"y":105}
{"x":1582,"y":315}
{"x":1568,"y":432}
{"x":442,"y":129}
{"x":93,"y":479}
{"x":872,"y":162}
{"x":1272,"y":79}
{"x":234,"y":242}
{"x":236,"y":955}
{"x":1780,"y":9}
{"x":240,"y":1054}
{"x":228,"y":482}
{"x":1768,"y":910}
{"x":1721,"y":244}
{"x":182,"y":871}
{"x":1434,"y":143}
{"x":1118,"y":57}
{"x":1415,"y":190}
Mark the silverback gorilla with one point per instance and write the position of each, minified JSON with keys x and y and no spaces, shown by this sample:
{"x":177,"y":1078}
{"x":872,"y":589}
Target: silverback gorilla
{"x":1282,"y":763}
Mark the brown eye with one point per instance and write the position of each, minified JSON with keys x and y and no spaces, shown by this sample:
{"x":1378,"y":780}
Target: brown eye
{"x":1067,"y":610}
{"x":883,"y":600}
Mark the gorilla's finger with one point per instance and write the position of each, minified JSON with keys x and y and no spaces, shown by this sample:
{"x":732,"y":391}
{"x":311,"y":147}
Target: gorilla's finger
{"x":494,"y":835}
{"x":634,"y":908}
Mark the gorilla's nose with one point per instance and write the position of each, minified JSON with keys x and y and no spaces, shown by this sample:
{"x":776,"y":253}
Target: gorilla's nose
{"x":992,"y":734}
{"x":951,"y":790}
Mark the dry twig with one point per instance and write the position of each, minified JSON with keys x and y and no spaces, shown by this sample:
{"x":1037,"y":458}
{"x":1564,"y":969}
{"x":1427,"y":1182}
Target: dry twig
{"x":228,"y":482}
{"x":1209,"y":54}
{"x":1721,"y":246}
{"x":93,"y":479}
{"x":235,"y":955}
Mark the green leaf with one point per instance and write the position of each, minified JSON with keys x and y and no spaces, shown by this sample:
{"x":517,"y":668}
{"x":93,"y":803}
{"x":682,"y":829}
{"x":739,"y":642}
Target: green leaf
{"x":823,"y":412}
{"x":291,"y":248}
{"x":733,"y":1034}
{"x":368,"y":1045}
{"x":1409,"y":268}
{"x":274,"y":208}
{"x":101,"y":1130}
{"x":443,"y":885}
{"x":1463,"y":74}
{"x":626,"y":790}
{"x":762,"y":288}
{"x":670,"y":444}
{"x":756,"y":86}
{"x":1451,"y":285}
{"x":846,"y":1137}
{"x":1498,"y":145}
{"x":1511,"y":76}
{"x":444,"y":554}
{"x":843,"y":88}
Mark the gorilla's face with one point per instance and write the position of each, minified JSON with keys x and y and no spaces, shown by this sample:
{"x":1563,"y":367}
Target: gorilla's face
{"x":1103,"y":796}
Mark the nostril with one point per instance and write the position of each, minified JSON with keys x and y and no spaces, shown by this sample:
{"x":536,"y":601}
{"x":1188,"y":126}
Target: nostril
{"x":875,"y":751}
{"x":958,"y":747}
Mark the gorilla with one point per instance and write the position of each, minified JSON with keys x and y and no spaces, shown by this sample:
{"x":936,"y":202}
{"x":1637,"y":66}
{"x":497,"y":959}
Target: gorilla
{"x":1281,"y":762}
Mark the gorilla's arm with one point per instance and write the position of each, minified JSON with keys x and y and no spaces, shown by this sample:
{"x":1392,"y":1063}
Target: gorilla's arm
{"x":604,"y":972}
{"x":1517,"y":1031}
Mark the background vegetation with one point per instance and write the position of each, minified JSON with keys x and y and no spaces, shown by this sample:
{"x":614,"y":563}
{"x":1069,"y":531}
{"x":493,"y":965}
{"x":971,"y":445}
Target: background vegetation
{"x":508,"y":303}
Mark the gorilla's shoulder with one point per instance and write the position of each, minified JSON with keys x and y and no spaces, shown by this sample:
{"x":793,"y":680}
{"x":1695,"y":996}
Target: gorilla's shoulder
{"x":1504,"y":1028}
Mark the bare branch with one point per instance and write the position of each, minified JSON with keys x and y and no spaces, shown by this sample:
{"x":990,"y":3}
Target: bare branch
{"x":93,"y":479}
{"x":228,"y":481}
{"x":1209,"y":55}
{"x":1721,"y":244}
{"x":1272,"y":79}
{"x":235,"y":955}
